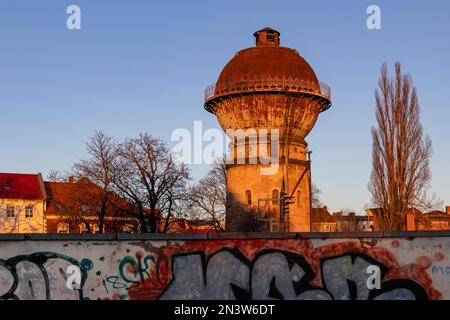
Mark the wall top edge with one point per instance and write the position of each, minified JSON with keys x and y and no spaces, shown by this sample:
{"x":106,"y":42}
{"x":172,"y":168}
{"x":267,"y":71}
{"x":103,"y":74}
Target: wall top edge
{"x":219,"y":236}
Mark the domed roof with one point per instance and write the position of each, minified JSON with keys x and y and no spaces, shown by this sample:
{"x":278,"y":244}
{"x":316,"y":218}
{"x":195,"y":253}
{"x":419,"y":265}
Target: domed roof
{"x":267,"y":67}
{"x":267,"y":60}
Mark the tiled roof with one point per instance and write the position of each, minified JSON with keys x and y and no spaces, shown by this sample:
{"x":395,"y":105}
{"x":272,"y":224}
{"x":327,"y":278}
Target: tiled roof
{"x":352,"y":217}
{"x":21,"y":186}
{"x":321,"y":215}
{"x":437,"y":215}
{"x":73,"y":196}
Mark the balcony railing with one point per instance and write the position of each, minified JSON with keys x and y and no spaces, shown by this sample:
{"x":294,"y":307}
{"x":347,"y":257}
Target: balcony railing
{"x":270,"y":84}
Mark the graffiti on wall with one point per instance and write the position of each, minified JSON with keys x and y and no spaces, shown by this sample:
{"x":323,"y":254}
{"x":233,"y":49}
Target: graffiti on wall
{"x":280,"y":275}
{"x":221,"y":269}
{"x":132,"y":271}
{"x":281,"y":269}
{"x":40,"y":276}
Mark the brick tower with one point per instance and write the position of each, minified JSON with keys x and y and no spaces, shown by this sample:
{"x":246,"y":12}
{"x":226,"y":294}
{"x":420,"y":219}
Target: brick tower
{"x":268,"y":88}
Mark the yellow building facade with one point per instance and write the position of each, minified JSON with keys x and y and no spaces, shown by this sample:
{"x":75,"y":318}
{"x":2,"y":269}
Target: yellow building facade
{"x":22,"y":203}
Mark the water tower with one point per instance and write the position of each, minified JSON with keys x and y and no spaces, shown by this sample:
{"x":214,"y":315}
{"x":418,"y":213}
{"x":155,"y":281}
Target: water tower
{"x":267,"y":87}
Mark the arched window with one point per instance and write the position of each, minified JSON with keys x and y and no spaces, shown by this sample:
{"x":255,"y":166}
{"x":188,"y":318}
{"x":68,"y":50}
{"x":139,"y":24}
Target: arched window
{"x":248,"y":195}
{"x":298,"y":198}
{"x":275,"y":196}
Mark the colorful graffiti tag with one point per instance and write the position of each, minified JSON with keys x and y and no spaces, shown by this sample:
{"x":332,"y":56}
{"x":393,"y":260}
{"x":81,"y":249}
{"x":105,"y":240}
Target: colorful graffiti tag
{"x":39,"y":276}
{"x":279,"y":275}
{"x":319,"y":269}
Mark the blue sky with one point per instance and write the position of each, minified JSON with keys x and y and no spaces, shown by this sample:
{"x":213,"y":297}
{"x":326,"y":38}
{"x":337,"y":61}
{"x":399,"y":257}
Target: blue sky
{"x":142,"y":66}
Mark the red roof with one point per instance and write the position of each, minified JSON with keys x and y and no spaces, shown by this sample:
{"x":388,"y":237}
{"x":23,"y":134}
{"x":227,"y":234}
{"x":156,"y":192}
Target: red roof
{"x":21,"y":186}
{"x":266,"y":61}
{"x":66,"y":196}
{"x":321,"y":215}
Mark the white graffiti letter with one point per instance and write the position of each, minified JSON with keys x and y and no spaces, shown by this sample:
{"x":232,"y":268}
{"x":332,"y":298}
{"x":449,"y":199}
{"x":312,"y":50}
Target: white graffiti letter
{"x":74,"y":20}
{"x":74,"y":279}
{"x":374,"y":280}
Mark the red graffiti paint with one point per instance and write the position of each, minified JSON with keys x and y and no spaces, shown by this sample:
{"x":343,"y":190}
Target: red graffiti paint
{"x":424,"y":262}
{"x":115,"y":297}
{"x":139,"y":254}
{"x":152,"y":287}
{"x":395,"y":243}
{"x":160,"y":272}
{"x":131,"y":268}
{"x":439,"y":256}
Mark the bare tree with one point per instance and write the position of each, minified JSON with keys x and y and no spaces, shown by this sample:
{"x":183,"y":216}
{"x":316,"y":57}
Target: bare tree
{"x":57,"y":176}
{"x":316,"y":201}
{"x":127,"y":184}
{"x":400,"y":172}
{"x":154,"y":179}
{"x":99,"y":169}
{"x":208,"y":196}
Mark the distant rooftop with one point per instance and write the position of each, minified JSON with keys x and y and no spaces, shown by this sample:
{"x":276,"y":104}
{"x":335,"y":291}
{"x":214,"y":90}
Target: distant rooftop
{"x":21,"y":186}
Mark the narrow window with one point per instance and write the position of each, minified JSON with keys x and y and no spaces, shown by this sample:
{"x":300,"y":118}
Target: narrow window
{"x":29,"y":212}
{"x":83,"y":228}
{"x":298,"y":198}
{"x":10,"y":212}
{"x":248,"y":194}
{"x":94,"y":228}
{"x":275,"y":196}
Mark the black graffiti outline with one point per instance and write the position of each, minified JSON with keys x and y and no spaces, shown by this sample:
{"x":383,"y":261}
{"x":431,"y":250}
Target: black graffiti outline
{"x":387,"y":286}
{"x":242,"y":293}
{"x":39,"y":259}
{"x":304,"y":284}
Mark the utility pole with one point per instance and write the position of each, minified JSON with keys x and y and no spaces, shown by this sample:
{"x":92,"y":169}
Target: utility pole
{"x":308,"y":153}
{"x":285,"y":201}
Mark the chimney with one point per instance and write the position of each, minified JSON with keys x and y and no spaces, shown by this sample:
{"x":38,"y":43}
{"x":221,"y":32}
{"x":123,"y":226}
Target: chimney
{"x":267,"y":37}
{"x":325,"y":208}
{"x":447,"y":209}
{"x":71,"y":179}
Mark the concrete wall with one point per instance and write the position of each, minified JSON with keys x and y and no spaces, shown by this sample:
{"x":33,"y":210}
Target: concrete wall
{"x":225,"y":266}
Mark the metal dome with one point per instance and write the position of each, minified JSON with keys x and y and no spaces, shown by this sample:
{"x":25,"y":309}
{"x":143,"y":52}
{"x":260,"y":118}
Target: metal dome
{"x":267,"y":67}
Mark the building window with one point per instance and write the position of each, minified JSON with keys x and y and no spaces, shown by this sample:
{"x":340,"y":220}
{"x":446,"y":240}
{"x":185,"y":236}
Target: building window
{"x":29,"y":212}
{"x":93,"y":228}
{"x":298,"y":198}
{"x":128,"y":228}
{"x":275,"y":196}
{"x":270,"y":36}
{"x":248,"y":195}
{"x":10,"y":212}
{"x":83,"y":228}
{"x":62,"y":227}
